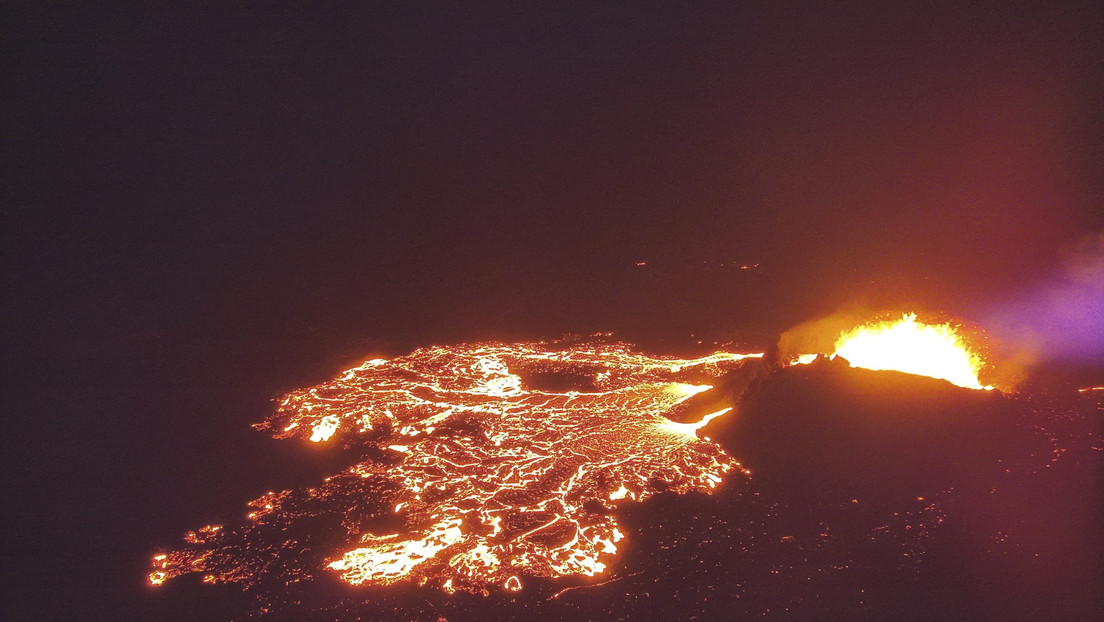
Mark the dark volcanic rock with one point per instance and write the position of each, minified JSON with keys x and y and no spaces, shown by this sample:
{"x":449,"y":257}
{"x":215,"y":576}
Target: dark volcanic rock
{"x":955,"y":503}
{"x":828,"y":426}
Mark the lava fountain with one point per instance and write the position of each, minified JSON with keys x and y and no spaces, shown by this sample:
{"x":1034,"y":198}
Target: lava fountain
{"x":910,"y":346}
{"x":480,"y":465}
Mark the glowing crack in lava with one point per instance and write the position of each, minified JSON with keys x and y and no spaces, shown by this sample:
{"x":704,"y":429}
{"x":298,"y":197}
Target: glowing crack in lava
{"x":480,"y":465}
{"x":912,"y":347}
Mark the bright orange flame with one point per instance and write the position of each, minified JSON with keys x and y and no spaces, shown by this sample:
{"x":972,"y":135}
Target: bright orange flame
{"x":913,"y":347}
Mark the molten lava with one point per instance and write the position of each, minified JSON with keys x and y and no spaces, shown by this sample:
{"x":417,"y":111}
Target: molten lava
{"x":912,"y":347}
{"x":478,"y":466}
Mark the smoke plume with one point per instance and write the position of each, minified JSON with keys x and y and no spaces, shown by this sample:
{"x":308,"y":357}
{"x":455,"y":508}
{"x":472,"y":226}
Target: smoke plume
{"x":1061,"y":320}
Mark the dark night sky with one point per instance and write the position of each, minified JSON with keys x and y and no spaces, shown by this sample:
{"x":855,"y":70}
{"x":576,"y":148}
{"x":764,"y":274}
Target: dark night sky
{"x":204,"y":208}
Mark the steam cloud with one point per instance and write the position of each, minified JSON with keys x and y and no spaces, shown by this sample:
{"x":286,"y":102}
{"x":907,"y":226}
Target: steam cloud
{"x":1061,"y":320}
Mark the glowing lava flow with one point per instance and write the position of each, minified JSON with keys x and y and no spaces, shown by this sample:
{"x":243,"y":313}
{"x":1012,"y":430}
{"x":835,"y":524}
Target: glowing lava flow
{"x":480,"y":465}
{"x":912,"y":347}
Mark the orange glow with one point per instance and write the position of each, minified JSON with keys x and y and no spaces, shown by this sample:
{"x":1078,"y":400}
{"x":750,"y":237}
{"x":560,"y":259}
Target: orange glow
{"x":492,"y":477}
{"x":906,"y":345}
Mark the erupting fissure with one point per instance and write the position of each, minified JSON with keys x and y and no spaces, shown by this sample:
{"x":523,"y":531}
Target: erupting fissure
{"x":906,"y":345}
{"x":482,"y":464}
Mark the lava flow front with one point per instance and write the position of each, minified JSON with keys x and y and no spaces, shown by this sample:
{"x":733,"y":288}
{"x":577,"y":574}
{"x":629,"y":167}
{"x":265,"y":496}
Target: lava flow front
{"x":479,"y":466}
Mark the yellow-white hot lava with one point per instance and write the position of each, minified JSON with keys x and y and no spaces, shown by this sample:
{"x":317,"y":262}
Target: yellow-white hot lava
{"x":913,"y":347}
